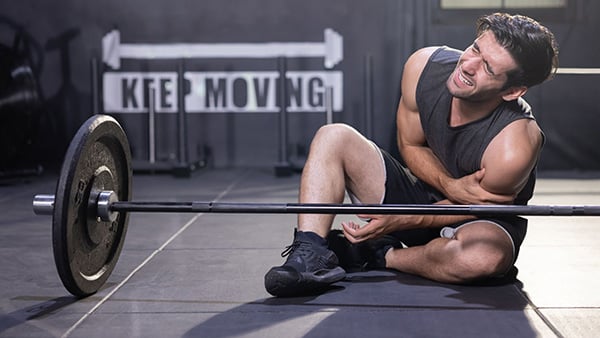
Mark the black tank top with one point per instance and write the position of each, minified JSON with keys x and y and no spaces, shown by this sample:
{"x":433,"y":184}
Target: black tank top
{"x":461,"y":148}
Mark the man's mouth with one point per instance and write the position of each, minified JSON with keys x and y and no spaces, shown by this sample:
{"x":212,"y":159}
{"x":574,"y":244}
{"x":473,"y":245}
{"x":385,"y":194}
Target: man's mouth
{"x":463,"y":79}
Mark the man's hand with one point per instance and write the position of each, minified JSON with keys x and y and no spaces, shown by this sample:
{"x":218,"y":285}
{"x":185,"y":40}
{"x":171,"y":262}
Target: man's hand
{"x":378,"y":226}
{"x":468,"y":190}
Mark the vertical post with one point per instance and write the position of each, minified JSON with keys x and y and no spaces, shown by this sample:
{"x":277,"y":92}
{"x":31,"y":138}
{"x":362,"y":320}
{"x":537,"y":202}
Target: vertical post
{"x":283,"y":168}
{"x":151,"y":125}
{"x":182,"y":141}
{"x":369,"y":96}
{"x":329,"y":104}
{"x":94,"y":86}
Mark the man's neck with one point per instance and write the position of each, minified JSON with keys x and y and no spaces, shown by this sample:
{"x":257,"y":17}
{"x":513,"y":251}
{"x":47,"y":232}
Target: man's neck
{"x":463,"y":112}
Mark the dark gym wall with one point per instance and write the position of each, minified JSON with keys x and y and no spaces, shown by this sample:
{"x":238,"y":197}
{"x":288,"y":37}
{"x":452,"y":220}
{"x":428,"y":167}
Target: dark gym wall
{"x":70,"y":34}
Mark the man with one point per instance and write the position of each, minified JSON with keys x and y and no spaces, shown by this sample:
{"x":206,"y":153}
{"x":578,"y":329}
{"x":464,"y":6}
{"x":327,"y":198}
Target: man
{"x":466,"y":137}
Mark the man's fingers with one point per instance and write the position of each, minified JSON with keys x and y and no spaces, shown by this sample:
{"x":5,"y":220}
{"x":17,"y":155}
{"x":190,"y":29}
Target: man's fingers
{"x":353,"y":232}
{"x":479,"y":174}
{"x":348,"y":232}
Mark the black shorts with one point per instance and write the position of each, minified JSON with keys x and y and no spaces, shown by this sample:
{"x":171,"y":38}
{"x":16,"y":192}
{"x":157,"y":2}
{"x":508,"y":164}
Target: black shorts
{"x":402,"y":187}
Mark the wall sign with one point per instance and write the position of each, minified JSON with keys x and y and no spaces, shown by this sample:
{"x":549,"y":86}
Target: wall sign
{"x":222,"y":92}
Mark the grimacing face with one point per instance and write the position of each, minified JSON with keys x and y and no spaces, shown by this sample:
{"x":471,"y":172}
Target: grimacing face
{"x":481,"y":71}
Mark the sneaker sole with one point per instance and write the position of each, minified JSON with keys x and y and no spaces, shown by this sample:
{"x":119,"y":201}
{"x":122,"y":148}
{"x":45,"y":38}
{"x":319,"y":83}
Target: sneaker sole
{"x":284,"y":283}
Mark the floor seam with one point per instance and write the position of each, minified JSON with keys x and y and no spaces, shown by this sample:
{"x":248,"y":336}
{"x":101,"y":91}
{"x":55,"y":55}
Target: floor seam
{"x":539,"y":313}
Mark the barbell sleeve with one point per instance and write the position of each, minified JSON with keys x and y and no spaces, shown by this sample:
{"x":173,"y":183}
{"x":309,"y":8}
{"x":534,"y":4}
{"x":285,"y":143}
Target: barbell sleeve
{"x":43,"y":204}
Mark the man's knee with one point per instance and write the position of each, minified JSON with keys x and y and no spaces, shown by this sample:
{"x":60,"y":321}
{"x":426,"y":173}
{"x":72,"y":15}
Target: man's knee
{"x":334,"y":139}
{"x":334,"y":131}
{"x":475,"y":266}
{"x":478,"y":251}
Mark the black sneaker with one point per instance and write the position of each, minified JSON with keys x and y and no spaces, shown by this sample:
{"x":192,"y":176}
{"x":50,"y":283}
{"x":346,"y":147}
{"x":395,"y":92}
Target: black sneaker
{"x":310,"y":268}
{"x":364,"y":256}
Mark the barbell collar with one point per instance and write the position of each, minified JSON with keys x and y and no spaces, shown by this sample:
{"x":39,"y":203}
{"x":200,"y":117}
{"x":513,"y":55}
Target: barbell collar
{"x":103,"y":206}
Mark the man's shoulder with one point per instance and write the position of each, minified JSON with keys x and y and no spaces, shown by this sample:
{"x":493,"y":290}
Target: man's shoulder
{"x":417,"y":61}
{"x":445,"y":55}
{"x":426,"y":52}
{"x":439,"y":54}
{"x":421,"y":56}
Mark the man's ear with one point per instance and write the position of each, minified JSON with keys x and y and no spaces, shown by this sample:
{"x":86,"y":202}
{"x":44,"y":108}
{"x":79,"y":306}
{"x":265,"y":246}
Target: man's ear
{"x":514,"y":93}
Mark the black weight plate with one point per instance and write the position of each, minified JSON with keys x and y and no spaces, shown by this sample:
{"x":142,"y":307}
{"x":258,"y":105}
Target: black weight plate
{"x":85,"y":248}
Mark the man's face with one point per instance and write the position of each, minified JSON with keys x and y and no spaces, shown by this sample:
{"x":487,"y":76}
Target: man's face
{"x":481,"y":71}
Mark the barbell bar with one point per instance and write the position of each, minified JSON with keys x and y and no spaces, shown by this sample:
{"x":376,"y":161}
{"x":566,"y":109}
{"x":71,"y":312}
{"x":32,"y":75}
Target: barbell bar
{"x":92,"y":201}
{"x":107,"y":205}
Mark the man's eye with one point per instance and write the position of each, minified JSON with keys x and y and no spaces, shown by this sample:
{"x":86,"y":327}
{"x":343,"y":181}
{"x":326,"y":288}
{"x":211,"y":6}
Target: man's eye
{"x":488,"y":69}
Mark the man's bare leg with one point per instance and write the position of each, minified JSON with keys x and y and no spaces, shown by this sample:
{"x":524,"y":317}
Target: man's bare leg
{"x":340,"y":158}
{"x":478,"y":250}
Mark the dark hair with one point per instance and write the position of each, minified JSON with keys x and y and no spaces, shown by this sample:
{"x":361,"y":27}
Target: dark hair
{"x":531,"y":45}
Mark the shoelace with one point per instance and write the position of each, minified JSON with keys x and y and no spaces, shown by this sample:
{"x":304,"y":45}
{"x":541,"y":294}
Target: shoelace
{"x":292,"y":247}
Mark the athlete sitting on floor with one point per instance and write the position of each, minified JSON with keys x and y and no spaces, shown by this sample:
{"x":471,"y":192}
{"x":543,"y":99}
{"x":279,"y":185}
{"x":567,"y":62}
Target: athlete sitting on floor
{"x":465,"y":135}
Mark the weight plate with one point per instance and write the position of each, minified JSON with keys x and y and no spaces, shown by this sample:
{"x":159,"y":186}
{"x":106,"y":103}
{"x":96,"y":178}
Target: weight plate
{"x":86,"y":249}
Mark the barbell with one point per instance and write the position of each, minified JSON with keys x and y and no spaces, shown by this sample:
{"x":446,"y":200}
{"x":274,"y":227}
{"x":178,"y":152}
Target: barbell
{"x":92,"y":202}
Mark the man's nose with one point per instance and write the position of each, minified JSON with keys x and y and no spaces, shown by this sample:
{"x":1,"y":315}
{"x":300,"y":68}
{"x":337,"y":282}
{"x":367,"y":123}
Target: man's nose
{"x":471,"y":65}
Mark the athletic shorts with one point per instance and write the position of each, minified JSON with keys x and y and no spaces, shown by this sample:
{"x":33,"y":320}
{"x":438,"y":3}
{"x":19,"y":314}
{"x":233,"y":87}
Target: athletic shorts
{"x":402,"y":187}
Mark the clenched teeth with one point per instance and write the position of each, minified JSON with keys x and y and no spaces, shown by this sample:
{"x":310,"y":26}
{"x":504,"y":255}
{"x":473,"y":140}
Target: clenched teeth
{"x":464,"y":80}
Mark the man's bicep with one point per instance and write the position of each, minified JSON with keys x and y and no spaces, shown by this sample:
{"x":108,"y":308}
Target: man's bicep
{"x":410,"y":132}
{"x":408,"y":122}
{"x":509,"y":165}
{"x":504,"y":180}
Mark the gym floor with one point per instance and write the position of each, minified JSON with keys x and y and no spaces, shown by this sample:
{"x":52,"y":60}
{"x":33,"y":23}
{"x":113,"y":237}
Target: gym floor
{"x":201,"y":275}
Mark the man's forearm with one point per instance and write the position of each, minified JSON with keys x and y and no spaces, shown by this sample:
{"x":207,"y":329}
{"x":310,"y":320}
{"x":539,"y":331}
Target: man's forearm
{"x":438,"y":221}
{"x":408,"y":222}
{"x":425,"y":165}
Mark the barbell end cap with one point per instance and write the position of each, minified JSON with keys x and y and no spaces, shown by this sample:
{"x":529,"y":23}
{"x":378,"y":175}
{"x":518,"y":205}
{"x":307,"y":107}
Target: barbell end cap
{"x":103,"y":207}
{"x":43,"y":204}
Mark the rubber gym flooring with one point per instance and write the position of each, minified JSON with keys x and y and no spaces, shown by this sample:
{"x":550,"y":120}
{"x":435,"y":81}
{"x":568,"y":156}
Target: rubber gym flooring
{"x":201,"y":275}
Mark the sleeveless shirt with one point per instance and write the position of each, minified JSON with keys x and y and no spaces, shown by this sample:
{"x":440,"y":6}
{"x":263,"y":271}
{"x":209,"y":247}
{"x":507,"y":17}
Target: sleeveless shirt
{"x":461,"y":148}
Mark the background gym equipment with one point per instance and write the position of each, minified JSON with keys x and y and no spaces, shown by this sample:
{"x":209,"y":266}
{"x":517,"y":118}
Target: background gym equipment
{"x":92,"y":201}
